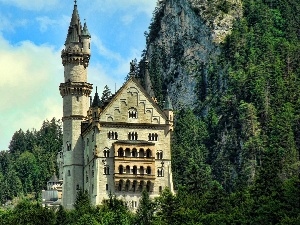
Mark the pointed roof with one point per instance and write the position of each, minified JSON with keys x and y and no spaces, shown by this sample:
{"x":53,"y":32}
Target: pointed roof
{"x":74,"y":31}
{"x":96,"y":101}
{"x":168,"y":104}
{"x":75,"y":16}
{"x":85,"y":31}
{"x":53,"y":178}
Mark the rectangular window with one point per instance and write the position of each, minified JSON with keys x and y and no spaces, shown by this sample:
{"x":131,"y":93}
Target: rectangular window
{"x":107,"y":187}
{"x":69,"y":173}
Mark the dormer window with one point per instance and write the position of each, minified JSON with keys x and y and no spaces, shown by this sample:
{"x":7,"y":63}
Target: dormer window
{"x":132,"y":113}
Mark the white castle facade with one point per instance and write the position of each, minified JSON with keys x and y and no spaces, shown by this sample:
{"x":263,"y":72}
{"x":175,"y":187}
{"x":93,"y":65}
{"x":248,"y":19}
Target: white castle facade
{"x":120,"y":146}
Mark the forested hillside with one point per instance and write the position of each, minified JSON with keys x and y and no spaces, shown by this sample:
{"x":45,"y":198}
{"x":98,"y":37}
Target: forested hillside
{"x":232,"y":71}
{"x":236,"y":97}
{"x":30,"y":161}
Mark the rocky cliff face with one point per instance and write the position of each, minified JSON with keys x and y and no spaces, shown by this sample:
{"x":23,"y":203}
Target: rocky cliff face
{"x":184,"y":38}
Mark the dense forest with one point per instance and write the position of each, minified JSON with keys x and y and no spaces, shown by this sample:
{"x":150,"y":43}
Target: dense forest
{"x":235,"y":153}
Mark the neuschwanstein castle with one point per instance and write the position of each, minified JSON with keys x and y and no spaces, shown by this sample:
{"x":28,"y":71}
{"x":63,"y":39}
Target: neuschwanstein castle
{"x":121,"y":146}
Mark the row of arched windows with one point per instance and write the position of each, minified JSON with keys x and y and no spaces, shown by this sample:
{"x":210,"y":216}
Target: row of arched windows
{"x":112,"y":135}
{"x":142,"y":170}
{"x":132,"y":136}
{"x":134,"y":153}
{"x":134,"y":185}
{"x":153,"y":137}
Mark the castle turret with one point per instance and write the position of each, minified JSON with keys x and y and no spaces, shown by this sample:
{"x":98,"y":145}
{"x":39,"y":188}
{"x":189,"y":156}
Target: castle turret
{"x":75,"y":92}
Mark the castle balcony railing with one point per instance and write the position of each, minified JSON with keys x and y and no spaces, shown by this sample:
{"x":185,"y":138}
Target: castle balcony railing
{"x":130,"y":176}
{"x":134,"y":159}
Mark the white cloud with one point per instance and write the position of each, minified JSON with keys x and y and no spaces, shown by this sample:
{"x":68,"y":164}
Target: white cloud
{"x":32,"y":4}
{"x":135,"y":6}
{"x":30,"y":76}
{"x":127,"y":19}
{"x":9,"y":24}
{"x":45,"y":22}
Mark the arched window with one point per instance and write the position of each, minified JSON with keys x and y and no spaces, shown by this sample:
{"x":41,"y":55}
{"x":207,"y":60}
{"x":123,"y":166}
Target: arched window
{"x":141,"y":186}
{"x":142,"y":170}
{"x":156,"y":137}
{"x":148,"y":153}
{"x":148,"y":170}
{"x":127,"y":152}
{"x":159,"y":155}
{"x":121,"y":152}
{"x":127,"y":185}
{"x":68,"y":146}
{"x":134,"y":152}
{"x":142,"y":153}
{"x":160,"y":172}
{"x":135,"y":136}
{"x":106,"y":170}
{"x":120,"y":185}
{"x":132,"y":113}
{"x":134,"y":170}
{"x":160,"y":188}
{"x":134,"y":184}
{"x":112,"y":135}
{"x":132,"y":136}
{"x":128,"y":169}
{"x":148,"y":186}
{"x":121,"y":169}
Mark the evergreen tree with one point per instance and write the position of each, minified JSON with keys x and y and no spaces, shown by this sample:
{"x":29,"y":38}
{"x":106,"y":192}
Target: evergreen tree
{"x":106,"y":94}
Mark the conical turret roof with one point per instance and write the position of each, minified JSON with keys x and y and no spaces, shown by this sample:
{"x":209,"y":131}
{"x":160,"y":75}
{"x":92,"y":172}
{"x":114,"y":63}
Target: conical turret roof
{"x":96,"y":101}
{"x":74,"y":31}
{"x":85,"y":31}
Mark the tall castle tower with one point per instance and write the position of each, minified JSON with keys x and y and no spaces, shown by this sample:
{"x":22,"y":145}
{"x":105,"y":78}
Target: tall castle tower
{"x":75,"y":92}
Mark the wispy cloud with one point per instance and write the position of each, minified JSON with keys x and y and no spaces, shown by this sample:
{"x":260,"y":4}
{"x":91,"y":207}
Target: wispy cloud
{"x":9,"y":24}
{"x":45,"y":22}
{"x":32,"y":5}
{"x":104,"y":51}
{"x":135,"y":6}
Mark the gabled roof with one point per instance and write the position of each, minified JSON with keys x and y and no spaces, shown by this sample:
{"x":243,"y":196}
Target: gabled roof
{"x":132,"y":79}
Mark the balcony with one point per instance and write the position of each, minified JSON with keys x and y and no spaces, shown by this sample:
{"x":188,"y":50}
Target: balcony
{"x":131,"y":176}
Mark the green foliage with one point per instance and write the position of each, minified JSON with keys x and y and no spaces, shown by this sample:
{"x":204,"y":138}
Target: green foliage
{"x":106,"y":94}
{"x":30,"y":161}
{"x":145,"y":211}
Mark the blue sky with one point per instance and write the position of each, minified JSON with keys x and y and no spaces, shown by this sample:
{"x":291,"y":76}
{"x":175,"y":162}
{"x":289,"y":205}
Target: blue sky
{"x":32,"y":35}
